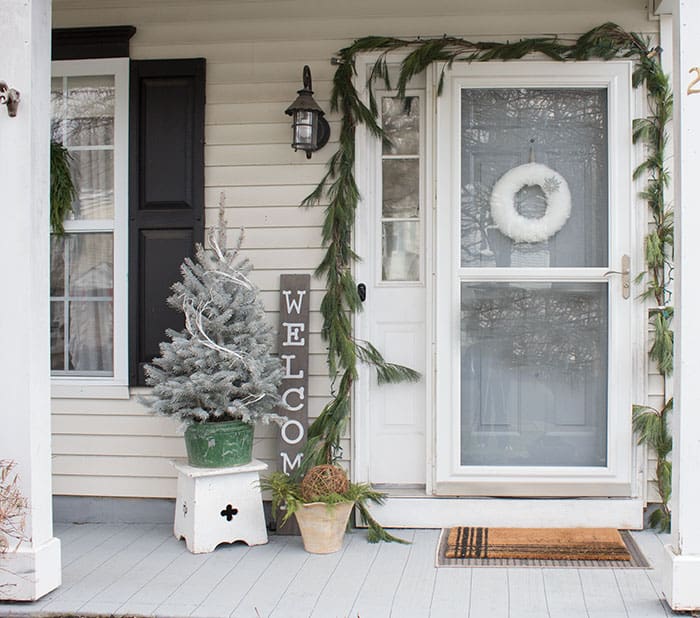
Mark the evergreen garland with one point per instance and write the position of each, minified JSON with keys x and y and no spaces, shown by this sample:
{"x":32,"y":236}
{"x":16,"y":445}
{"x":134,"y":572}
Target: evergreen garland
{"x":62,"y":190}
{"x":652,"y":428}
{"x":338,"y":187}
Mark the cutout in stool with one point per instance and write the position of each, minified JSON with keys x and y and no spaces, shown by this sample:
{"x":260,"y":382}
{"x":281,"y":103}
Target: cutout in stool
{"x":229,"y":512}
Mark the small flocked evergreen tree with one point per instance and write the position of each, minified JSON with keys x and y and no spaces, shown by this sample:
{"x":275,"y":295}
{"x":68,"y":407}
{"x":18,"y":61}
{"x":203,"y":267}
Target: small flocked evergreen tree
{"x":220,"y":366}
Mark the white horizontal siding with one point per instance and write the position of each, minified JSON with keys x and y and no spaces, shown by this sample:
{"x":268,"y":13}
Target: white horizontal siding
{"x":252,"y":197}
{"x":262,"y":175}
{"x":223,"y":155}
{"x":282,"y":217}
{"x":255,"y":52}
{"x":284,"y":237}
{"x":260,"y":93}
{"x":163,"y":22}
{"x":151,"y":486}
{"x":113,"y":465}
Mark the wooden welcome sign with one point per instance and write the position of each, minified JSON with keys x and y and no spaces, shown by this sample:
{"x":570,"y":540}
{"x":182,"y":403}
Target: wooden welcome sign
{"x":294,"y":354}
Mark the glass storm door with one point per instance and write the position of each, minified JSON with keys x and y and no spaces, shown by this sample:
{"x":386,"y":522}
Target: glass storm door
{"x":533,"y":314}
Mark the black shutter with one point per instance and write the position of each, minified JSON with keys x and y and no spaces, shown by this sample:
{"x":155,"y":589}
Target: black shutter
{"x":166,"y":194}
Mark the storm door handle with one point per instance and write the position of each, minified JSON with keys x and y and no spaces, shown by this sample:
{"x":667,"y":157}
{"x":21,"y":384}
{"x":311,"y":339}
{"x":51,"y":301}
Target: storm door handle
{"x":624,"y":272}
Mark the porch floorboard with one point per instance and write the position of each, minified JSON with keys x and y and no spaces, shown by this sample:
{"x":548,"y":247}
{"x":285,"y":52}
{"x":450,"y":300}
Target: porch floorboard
{"x":135,"y":569}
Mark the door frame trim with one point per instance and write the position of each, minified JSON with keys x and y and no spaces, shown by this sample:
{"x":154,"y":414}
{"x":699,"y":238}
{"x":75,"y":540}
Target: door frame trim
{"x":360,"y":425}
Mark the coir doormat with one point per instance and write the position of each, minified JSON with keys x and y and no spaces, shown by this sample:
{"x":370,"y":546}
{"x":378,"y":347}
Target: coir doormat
{"x":565,"y":547}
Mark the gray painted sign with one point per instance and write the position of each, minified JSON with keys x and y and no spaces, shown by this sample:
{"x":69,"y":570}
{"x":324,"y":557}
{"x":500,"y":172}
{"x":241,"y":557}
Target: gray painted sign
{"x":294,"y":354}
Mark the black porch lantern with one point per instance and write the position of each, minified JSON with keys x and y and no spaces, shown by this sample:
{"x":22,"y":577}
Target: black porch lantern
{"x":310,"y":130}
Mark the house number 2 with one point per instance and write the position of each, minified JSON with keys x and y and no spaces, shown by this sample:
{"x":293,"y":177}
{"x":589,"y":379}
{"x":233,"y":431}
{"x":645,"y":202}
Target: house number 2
{"x":691,"y":86}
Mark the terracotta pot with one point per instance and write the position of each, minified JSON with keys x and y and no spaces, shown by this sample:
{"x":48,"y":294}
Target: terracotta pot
{"x":323,"y":526}
{"x":219,"y":445}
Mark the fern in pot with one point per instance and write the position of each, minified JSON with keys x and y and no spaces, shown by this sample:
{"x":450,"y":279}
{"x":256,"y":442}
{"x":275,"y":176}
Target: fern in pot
{"x":218,"y":375}
{"x":321,"y":501}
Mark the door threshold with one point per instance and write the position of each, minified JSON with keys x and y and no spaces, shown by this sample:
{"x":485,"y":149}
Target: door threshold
{"x":401,"y":490}
{"x":416,"y":510}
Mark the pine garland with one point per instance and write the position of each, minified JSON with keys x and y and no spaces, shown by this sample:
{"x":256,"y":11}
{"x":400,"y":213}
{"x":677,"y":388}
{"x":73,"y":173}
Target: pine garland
{"x":652,"y":428}
{"x":62,"y":189}
{"x":338,"y":187}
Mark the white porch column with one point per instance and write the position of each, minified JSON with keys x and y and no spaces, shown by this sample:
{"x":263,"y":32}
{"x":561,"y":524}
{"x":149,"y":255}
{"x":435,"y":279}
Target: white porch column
{"x":25,"y":415}
{"x":681,"y":577}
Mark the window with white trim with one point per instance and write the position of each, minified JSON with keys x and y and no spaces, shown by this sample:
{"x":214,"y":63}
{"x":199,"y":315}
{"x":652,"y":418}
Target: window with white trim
{"x":88,"y":290}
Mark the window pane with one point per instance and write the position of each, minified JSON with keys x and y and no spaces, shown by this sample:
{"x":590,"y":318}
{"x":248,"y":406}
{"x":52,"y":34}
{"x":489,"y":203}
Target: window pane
{"x":58,"y":331}
{"x":57,"y":109}
{"x":90,"y":265}
{"x":567,"y":130}
{"x":90,"y":345}
{"x":400,"y":188}
{"x":401,"y":251}
{"x":93,"y":173}
{"x":534,"y":374}
{"x":88,"y":324}
{"x":58,"y":266}
{"x":401,"y":123}
{"x":90,"y":111}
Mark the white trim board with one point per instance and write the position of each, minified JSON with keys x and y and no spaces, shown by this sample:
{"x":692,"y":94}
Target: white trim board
{"x":431,"y":512}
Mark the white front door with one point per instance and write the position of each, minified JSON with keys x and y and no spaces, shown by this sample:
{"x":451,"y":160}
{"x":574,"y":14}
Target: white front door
{"x":391,"y":426}
{"x":533,"y":217}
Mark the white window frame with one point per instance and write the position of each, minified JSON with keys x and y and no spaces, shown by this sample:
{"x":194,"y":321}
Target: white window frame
{"x":377,"y":156}
{"x":116,"y":385}
{"x":450,"y":476}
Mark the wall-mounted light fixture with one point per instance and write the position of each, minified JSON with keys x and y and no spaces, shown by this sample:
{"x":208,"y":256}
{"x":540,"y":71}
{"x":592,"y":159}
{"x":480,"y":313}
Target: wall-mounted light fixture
{"x":10,"y":97}
{"x":310,"y":130}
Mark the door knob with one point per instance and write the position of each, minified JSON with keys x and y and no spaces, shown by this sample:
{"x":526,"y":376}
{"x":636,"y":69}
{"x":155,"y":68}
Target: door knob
{"x":362,"y":291}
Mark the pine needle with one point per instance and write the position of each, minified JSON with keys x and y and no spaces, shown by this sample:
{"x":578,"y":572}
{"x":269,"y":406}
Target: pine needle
{"x":62,"y":190}
{"x":651,"y":427}
{"x":387,"y":373}
{"x":375,"y":532}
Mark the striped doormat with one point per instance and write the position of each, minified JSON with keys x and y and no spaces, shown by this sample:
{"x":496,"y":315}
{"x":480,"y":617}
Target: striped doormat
{"x":570,"y":547}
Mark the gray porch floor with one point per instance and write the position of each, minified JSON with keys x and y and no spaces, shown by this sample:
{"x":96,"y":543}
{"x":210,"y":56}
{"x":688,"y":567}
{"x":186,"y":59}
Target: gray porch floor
{"x":144,"y":570}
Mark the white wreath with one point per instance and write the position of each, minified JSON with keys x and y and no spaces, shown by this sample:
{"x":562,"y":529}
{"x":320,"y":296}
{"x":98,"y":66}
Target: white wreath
{"x":527,"y":229}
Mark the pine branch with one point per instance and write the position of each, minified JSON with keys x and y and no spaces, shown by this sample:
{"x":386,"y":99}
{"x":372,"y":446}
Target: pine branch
{"x":375,"y":532}
{"x":662,"y":347}
{"x":651,"y":427}
{"x":62,"y":190}
{"x":661,"y":519}
{"x":387,"y":373}
{"x":326,"y":432}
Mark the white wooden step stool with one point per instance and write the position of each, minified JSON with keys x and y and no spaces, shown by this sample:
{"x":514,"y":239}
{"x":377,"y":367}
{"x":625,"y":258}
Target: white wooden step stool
{"x":219,"y":505}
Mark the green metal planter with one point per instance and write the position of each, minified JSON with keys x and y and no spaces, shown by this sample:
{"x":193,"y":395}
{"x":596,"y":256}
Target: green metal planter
{"x":219,"y":445}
